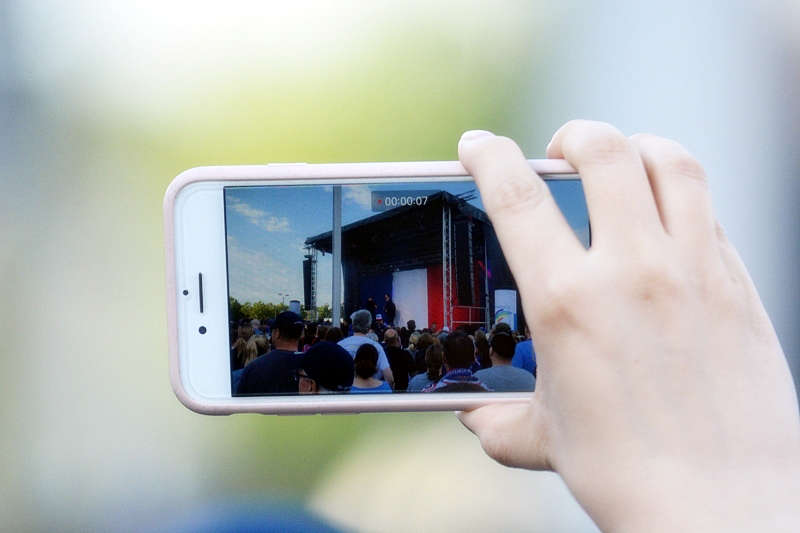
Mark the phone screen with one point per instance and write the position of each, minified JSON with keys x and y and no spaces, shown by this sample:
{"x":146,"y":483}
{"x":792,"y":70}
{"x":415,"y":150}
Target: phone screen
{"x":376,"y":289}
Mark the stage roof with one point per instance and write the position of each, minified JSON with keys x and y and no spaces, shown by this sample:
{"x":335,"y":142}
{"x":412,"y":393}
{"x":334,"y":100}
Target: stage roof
{"x":405,"y":223}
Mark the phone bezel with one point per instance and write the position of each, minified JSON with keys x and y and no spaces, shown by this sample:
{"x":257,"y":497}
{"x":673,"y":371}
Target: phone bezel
{"x":181,"y":321}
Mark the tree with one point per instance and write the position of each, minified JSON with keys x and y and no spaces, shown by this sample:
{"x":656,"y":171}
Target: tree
{"x":324,"y":312}
{"x":262,"y":311}
{"x":251,"y":310}
{"x":235,"y":310}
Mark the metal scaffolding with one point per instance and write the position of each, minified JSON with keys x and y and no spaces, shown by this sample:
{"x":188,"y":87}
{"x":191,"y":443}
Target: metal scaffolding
{"x":487,"y":316}
{"x":311,"y":255}
{"x":447,"y":265}
{"x":472,"y":292}
{"x":336,"y":234}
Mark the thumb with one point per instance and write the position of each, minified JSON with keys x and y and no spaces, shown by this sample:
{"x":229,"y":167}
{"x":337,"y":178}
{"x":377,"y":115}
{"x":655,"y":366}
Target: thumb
{"x":513,"y":434}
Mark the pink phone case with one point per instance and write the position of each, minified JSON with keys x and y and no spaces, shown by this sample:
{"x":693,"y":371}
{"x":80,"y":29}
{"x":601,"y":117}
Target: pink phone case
{"x":321,"y":403}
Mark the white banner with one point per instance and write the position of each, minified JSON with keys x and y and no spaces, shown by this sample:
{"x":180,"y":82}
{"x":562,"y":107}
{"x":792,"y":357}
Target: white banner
{"x":505,"y":307}
{"x":410,"y":296}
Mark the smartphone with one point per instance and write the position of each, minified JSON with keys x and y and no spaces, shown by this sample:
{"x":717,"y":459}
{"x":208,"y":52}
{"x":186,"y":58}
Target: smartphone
{"x":345,"y":288}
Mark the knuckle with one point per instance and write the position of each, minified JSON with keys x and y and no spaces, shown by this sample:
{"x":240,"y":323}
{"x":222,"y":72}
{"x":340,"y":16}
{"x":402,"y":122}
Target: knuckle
{"x":598,"y":143}
{"x":499,"y":142}
{"x":655,"y":281}
{"x":515,"y":194}
{"x":494,"y":149}
{"x":562,"y":287}
{"x":671,"y":156}
{"x":560,"y":297}
{"x":686,"y":166}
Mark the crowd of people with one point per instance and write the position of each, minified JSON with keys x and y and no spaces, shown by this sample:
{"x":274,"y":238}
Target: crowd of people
{"x":368,"y":354}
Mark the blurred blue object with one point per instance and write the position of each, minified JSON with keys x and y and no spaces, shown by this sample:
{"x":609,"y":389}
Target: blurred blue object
{"x":252,"y":517}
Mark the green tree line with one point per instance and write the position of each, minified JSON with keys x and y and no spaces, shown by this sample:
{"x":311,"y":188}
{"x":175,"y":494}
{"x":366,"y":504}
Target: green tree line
{"x":265,"y":311}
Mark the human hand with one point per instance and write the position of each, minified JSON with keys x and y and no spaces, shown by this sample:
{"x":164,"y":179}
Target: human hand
{"x":663,"y":397}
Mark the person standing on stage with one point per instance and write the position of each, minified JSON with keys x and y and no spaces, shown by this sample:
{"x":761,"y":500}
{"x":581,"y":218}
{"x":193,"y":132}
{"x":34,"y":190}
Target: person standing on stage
{"x":389,"y":310}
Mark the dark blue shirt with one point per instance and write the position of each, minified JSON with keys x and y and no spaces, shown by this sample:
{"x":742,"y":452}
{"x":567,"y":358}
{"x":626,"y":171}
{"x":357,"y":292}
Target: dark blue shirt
{"x":272,"y":373}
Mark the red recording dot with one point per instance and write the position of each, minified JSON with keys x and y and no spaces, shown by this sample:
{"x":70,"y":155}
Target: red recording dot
{"x":380,"y":201}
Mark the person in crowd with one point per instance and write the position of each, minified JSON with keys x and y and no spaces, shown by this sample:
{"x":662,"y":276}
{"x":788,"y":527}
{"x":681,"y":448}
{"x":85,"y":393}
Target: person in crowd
{"x":476,"y":364}
{"x":233,"y":332}
{"x":322,"y":332}
{"x":404,"y":335}
{"x":413,"y":339}
{"x":412,"y":326}
{"x":500,"y":326}
{"x":434,"y":329}
{"x":253,"y":347}
{"x":433,"y":360}
{"x":482,"y":349}
{"x":334,"y":335}
{"x":345,"y":327}
{"x":256,"y":346}
{"x":458,"y":356}
{"x":443,"y":333}
{"x":274,"y":372}
{"x":524,"y":354}
{"x":502,"y":376}
{"x":325,"y":368}
{"x":366,"y":365}
{"x":308,"y":336}
{"x":372,"y":307}
{"x":361,"y":321}
{"x":400,"y":361}
{"x":425,"y":340}
{"x":379,"y":327}
{"x":389,"y":310}
{"x":262,"y":344}
{"x":256,"y":325}
{"x":238,"y":355}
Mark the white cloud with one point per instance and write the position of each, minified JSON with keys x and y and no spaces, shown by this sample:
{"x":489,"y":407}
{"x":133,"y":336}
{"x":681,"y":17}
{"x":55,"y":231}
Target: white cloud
{"x":258,"y":217}
{"x":277,"y":224}
{"x":360,"y":195}
{"x":256,"y":275}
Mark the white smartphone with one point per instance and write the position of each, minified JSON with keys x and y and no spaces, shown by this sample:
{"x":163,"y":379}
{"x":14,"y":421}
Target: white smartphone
{"x":345,"y":288}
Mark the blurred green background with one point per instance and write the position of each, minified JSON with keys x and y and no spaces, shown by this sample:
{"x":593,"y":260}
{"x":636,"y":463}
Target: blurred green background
{"x":104,"y":103}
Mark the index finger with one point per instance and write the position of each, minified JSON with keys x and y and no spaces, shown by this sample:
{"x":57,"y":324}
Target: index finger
{"x":532,"y":231}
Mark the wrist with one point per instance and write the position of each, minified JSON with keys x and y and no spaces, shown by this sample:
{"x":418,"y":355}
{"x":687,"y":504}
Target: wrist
{"x":683,"y":499}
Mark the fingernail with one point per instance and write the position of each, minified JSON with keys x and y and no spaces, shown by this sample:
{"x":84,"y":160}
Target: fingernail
{"x":472,"y":136}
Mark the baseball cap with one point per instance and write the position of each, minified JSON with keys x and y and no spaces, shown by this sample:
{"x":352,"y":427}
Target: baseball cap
{"x":330,"y":365}
{"x":289,"y":324}
{"x":379,"y":317}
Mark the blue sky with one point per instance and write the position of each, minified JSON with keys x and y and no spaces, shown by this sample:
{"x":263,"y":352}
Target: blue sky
{"x":267,"y":226}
